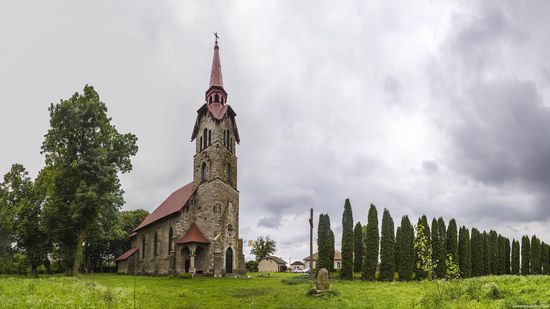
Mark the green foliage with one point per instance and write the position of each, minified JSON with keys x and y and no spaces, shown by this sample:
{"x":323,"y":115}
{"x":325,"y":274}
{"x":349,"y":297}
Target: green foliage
{"x":332,"y":249}
{"x":477,"y":253}
{"x":263,"y":246}
{"x":357,"y":247}
{"x":535,"y":255}
{"x":493,"y":243}
{"x":452,"y":269}
{"x":184,"y":276}
{"x":346,"y":272}
{"x":251,"y":266}
{"x":387,"y":248}
{"x":515,"y":257}
{"x":424,"y":261}
{"x":325,"y":245}
{"x":464,"y":253}
{"x":368,"y":270}
{"x":452,"y":240}
{"x":486,"y":254}
{"x":85,"y":154}
{"x":525,"y":255}
{"x":419,"y":273}
{"x":442,"y":248}
{"x":545,"y":258}
{"x":405,"y":264}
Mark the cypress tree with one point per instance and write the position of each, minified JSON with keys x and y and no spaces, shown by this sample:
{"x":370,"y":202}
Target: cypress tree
{"x":442,"y":257}
{"x":525,"y":255}
{"x":357,"y":247}
{"x":452,"y":241}
{"x":507,"y":256}
{"x":368,"y":271}
{"x":397,"y":248}
{"x":436,"y":248}
{"x":501,"y":255}
{"x":419,"y":273}
{"x":545,"y":259}
{"x":331,"y":248}
{"x":405,"y":265}
{"x":346,"y":272}
{"x":477,"y":253}
{"x":486,"y":254}
{"x":535,"y":255}
{"x":323,"y":243}
{"x":464,"y":254}
{"x":515,"y":257}
{"x":387,"y":248}
{"x":493,"y":241}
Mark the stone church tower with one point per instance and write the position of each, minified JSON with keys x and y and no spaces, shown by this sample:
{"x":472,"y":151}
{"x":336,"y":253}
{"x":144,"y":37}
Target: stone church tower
{"x":196,"y":229}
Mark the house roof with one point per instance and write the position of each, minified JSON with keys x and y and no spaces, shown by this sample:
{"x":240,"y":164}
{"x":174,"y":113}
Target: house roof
{"x":174,"y":203}
{"x":127,"y":254}
{"x":193,"y":235}
{"x":337,"y":256}
{"x":298,"y":263}
{"x":276,"y":259}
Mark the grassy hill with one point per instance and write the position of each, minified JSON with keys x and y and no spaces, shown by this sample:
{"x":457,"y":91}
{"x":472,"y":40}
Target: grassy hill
{"x":275,"y":291}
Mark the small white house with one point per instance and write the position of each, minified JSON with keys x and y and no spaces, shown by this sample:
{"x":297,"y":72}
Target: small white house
{"x":337,"y":260}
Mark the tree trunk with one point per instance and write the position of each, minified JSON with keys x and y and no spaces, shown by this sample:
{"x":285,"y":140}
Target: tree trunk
{"x":78,"y":253}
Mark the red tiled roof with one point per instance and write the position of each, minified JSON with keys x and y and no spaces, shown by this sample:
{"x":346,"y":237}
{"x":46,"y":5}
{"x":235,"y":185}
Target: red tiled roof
{"x":194,"y":234}
{"x":132,"y":235}
{"x":174,"y":203}
{"x":217,"y":110}
{"x":127,"y":254}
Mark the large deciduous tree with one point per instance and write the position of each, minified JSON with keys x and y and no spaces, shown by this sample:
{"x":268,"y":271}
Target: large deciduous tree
{"x":85,"y":153}
{"x":346,"y":272}
{"x":357,"y":247}
{"x":263,"y":246}
{"x":368,"y":271}
{"x":387,"y":248}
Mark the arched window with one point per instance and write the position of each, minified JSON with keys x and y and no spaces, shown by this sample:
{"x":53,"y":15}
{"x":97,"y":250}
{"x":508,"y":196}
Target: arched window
{"x":217,"y":98}
{"x":170,"y":240}
{"x":205,"y":135}
{"x":143,"y":247}
{"x":155,"y":246}
{"x":203,"y":171}
{"x":228,"y":172}
{"x":200,"y":144}
{"x":231,"y":144}
{"x":209,"y":137}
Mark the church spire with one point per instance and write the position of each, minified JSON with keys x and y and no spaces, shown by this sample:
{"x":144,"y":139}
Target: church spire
{"x":215,"y":92}
{"x":216,"y":78}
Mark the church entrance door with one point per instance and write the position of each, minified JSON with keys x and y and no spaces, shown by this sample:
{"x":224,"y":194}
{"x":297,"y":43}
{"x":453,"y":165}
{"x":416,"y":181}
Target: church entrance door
{"x":229,"y":261}
{"x":187,"y":265}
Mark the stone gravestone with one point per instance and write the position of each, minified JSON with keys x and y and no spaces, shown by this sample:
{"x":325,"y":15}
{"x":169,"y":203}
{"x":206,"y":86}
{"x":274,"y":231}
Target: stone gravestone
{"x":323,"y":283}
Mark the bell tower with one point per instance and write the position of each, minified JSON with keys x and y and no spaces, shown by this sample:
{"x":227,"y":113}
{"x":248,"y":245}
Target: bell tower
{"x":215,"y":174}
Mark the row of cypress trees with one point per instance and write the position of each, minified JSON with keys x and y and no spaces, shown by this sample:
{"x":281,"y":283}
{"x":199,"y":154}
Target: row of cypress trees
{"x":481,"y":253}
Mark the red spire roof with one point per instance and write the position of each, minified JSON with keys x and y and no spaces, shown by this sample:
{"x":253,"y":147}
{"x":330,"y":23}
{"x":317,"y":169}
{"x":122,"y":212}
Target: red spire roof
{"x":216,"y":78}
{"x":193,"y":235}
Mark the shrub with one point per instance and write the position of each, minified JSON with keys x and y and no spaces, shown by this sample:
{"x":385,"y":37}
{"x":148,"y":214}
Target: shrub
{"x":490,"y":290}
{"x":184,"y":276}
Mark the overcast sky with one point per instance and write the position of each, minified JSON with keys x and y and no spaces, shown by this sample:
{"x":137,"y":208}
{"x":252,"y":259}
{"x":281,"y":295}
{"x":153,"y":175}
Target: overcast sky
{"x":422,"y":107}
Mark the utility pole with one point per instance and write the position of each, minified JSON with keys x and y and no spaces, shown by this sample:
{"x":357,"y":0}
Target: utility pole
{"x":311,"y":243}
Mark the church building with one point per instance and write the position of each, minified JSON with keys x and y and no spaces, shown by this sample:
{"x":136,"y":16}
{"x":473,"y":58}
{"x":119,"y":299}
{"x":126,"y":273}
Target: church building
{"x":196,"y":229}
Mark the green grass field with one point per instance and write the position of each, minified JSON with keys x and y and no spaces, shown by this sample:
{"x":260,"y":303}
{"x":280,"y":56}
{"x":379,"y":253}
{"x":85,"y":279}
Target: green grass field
{"x":276,"y":291}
